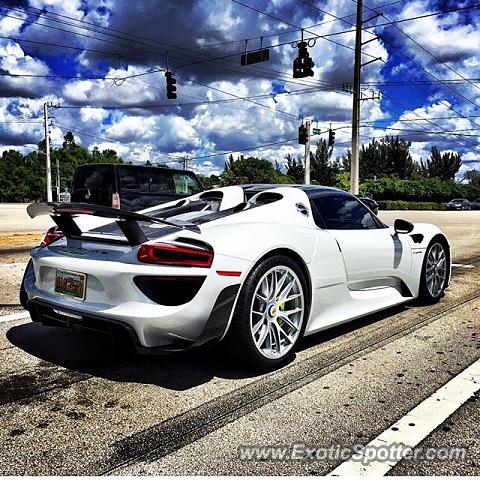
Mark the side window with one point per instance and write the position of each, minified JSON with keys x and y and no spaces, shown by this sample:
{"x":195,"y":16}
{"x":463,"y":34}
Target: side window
{"x":128,"y":179}
{"x":343,"y":212}
{"x":186,"y":184}
{"x":153,"y":180}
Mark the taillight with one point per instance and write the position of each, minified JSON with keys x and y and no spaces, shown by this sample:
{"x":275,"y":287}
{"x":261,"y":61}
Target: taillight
{"x":52,"y":235}
{"x":168,"y":254}
{"x":115,"y":200}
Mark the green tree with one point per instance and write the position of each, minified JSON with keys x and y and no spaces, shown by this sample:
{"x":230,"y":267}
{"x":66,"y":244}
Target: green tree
{"x":323,"y":170}
{"x":251,"y":170}
{"x":23,"y":177}
{"x":209,"y":182}
{"x":387,"y":157}
{"x":441,"y":165}
{"x":472,"y":177}
{"x":295,"y":169}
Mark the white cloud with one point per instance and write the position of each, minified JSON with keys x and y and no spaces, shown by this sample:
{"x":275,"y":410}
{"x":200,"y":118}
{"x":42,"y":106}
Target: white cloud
{"x":90,"y":115}
{"x":12,"y":26}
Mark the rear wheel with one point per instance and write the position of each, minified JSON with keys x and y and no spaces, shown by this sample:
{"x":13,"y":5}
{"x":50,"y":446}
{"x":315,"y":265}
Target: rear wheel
{"x":435,"y":270}
{"x":271,"y":313}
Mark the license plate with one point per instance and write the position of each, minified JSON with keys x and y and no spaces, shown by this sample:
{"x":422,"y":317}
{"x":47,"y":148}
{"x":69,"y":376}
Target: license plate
{"x":70,"y":283}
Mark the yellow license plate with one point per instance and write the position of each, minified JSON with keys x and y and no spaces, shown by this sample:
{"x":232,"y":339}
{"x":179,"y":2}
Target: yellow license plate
{"x":70,"y":283}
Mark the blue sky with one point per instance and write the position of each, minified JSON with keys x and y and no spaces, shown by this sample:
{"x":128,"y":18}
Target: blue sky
{"x":119,"y":50}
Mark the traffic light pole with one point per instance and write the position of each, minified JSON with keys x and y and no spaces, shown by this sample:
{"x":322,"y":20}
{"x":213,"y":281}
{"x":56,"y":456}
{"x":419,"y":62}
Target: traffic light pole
{"x":355,"y":167}
{"x":47,"y":153}
{"x":307,"y":154}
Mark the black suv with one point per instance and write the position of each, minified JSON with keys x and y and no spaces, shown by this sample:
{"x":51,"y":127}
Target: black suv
{"x":131,"y":187}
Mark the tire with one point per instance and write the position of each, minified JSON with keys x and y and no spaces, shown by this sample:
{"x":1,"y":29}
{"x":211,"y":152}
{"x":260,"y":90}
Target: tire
{"x":432,"y":292}
{"x":261,"y":314}
{"x":23,"y":297}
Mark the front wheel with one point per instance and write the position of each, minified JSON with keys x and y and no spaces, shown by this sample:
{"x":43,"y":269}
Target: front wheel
{"x":435,"y":271}
{"x":271,"y":313}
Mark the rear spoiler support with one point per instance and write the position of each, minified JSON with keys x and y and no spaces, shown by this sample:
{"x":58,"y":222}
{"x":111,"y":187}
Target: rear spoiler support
{"x":133,"y":233}
{"x":63,"y":215}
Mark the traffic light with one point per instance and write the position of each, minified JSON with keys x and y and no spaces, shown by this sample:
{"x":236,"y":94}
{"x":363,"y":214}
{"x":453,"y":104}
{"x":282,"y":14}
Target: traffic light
{"x":331,"y":137}
{"x":302,"y":134}
{"x":171,"y":88}
{"x":303,"y":64}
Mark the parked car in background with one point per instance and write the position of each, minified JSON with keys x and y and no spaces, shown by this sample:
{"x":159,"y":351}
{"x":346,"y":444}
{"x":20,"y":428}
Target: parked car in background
{"x":369,"y":202}
{"x":459,"y":204}
{"x":131,"y":187}
{"x":475,"y":205}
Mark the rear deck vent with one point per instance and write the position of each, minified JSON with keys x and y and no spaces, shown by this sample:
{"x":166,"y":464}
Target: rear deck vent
{"x":266,"y":197}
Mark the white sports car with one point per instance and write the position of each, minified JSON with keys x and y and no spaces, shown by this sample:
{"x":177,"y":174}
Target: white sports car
{"x":262,"y":265}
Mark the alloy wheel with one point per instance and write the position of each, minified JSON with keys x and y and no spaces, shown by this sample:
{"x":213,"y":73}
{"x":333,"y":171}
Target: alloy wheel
{"x":436,"y":269}
{"x":277,"y":312}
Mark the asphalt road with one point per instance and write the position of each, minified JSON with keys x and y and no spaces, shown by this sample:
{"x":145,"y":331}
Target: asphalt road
{"x":71,"y":404}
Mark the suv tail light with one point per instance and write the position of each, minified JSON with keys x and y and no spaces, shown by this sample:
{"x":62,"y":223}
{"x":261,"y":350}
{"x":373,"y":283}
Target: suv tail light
{"x":168,"y":254}
{"x":115,"y":200}
{"x":52,"y":235}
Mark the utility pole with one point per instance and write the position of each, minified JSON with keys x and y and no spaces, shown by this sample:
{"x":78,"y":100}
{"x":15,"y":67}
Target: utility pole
{"x":355,"y":167}
{"x":307,"y":154}
{"x":47,"y":153}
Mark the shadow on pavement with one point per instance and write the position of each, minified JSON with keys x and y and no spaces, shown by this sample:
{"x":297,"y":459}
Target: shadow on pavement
{"x":85,"y":353}
{"x":94,"y":354}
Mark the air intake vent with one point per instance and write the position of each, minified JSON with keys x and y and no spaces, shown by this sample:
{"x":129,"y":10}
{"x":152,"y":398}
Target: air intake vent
{"x":169,"y":290}
{"x":302,"y":209}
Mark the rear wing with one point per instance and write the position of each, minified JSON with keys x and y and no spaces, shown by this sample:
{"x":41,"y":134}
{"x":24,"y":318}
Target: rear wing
{"x":63,"y":215}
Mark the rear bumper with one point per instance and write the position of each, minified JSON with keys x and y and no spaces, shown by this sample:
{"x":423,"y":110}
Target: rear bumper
{"x":113,"y":299}
{"x":50,"y":314}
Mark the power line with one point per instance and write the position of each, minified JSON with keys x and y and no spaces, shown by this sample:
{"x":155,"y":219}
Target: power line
{"x":153,"y":69}
{"x":296,"y":26}
{"x":395,"y":83}
{"x":425,"y":49}
{"x":248,"y":149}
{"x":192,"y":104}
{"x":420,"y":117}
{"x":83,"y":49}
{"x":392,"y":22}
{"x":196,"y":47}
{"x":395,"y":69}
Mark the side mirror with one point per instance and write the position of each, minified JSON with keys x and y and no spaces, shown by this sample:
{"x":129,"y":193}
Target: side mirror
{"x":402,"y":226}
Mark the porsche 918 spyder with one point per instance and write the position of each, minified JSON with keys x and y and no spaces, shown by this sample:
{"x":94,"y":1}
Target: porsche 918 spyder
{"x":260,"y":266}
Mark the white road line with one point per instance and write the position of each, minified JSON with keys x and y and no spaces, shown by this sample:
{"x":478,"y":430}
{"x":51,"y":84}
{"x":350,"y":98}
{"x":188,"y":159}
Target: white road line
{"x":461,"y":265}
{"x":14,"y":316}
{"x":414,"y":426}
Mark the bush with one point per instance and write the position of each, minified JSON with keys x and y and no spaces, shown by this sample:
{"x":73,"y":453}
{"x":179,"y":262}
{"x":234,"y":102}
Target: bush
{"x":421,"y":190}
{"x":403,"y":205}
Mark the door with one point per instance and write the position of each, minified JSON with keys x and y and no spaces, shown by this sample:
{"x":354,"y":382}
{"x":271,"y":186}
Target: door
{"x":374,"y":256}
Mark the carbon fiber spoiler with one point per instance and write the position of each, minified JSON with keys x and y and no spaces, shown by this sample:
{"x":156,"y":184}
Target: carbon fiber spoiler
{"x":63,"y":215}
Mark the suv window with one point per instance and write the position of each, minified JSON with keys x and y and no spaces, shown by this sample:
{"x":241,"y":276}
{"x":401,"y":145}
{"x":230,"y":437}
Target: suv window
{"x":93,"y":184}
{"x":343,"y":212}
{"x":155,"y":181}
{"x":186,"y":184}
{"x":128,"y":179}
